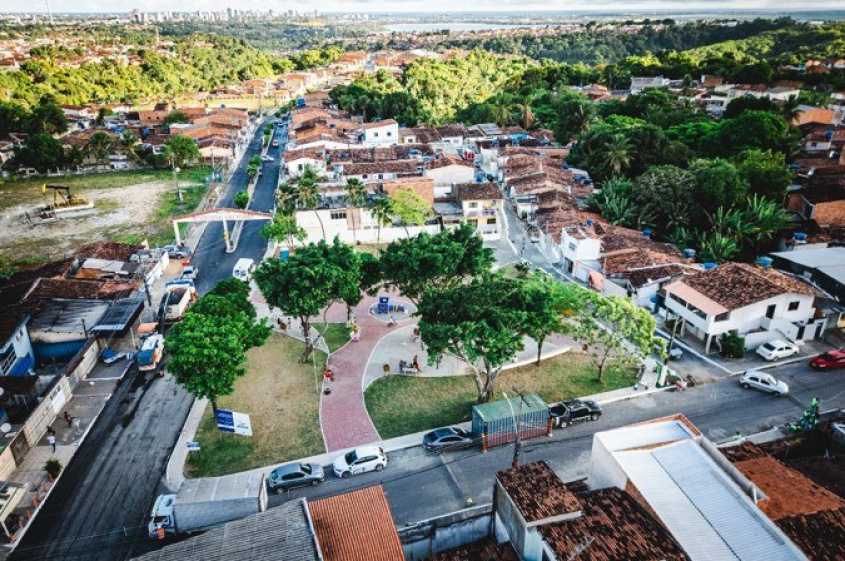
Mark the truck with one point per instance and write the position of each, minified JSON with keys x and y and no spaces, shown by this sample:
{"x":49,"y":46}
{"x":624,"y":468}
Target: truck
{"x":207,"y":503}
{"x":152,"y":347}
{"x":177,"y":297}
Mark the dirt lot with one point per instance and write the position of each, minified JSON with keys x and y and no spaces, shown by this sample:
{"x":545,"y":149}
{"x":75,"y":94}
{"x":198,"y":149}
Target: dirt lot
{"x":127,"y":207}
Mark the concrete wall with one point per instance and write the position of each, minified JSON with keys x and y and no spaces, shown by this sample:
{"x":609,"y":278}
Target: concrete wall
{"x":434,"y":535}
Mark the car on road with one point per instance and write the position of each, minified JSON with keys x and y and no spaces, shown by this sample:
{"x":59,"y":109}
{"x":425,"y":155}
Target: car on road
{"x":776,"y":349}
{"x":290,"y":476}
{"x":275,"y":144}
{"x":450,"y":438}
{"x":360,"y":460}
{"x":266,"y":158}
{"x":573,"y":411}
{"x":175,"y":252}
{"x":190,"y":273}
{"x":755,"y":379}
{"x":829,"y":360}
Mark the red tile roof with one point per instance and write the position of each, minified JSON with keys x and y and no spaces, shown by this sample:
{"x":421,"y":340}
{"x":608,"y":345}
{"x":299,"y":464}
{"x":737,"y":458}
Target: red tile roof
{"x":736,"y":285}
{"x":478,"y":192}
{"x":789,"y":492}
{"x":107,"y":250}
{"x":356,"y":526}
{"x":612,"y":527}
{"x":479,"y":551}
{"x":821,"y":536}
{"x":537,"y":492}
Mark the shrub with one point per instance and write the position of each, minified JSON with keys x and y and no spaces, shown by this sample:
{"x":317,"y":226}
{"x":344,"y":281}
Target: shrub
{"x":241,"y":199}
{"x":733,"y":345}
{"x":53,"y":467}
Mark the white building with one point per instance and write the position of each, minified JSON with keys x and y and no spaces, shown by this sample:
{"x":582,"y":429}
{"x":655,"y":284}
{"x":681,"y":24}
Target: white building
{"x":639,"y":84}
{"x":758,"y":303}
{"x":680,"y":477}
{"x":380,"y":133}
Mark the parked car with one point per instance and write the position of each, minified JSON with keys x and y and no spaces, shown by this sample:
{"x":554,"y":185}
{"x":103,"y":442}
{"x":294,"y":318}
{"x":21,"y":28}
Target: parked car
{"x":567,"y":412}
{"x":275,"y":144}
{"x":776,"y":349}
{"x":176,"y":252}
{"x":764,"y":382}
{"x":266,"y":158}
{"x":290,"y":476}
{"x":829,"y":360}
{"x":450,"y":438}
{"x":360,"y":460}
{"x":190,"y":273}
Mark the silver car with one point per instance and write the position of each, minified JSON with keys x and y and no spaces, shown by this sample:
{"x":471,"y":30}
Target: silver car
{"x":755,"y":379}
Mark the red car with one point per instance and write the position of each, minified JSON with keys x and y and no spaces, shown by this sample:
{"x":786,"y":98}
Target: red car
{"x":829,"y":360}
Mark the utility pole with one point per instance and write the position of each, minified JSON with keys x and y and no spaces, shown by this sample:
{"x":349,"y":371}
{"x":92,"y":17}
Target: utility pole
{"x":176,"y":179}
{"x":49,"y":11}
{"x":517,"y":421}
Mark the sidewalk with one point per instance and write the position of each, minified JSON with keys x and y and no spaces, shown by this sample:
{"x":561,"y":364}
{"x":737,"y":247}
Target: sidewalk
{"x":89,"y":399}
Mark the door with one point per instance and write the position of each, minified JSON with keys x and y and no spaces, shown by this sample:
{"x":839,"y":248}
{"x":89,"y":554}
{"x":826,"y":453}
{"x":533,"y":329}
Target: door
{"x":292,"y":480}
{"x":770,"y":311}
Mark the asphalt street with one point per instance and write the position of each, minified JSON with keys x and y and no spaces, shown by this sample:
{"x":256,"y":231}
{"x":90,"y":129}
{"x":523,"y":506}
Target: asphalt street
{"x":99,"y":508}
{"x":420,"y":485}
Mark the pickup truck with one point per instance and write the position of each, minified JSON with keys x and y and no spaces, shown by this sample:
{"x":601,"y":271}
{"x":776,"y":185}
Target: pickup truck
{"x":177,"y":299}
{"x":204,"y":504}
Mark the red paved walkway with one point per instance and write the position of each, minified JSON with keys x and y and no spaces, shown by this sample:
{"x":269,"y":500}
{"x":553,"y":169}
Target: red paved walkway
{"x":343,"y":416}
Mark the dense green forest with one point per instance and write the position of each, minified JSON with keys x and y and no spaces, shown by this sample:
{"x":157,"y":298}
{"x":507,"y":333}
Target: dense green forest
{"x":201,"y":63}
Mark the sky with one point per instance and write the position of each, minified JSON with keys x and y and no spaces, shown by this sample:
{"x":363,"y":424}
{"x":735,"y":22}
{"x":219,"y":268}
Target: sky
{"x":437,"y":6}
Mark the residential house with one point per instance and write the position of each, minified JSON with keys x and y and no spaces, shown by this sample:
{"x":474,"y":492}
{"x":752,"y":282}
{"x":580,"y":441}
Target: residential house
{"x":379,"y":133}
{"x":452,"y":134}
{"x":377,"y":171}
{"x":418,"y":135}
{"x":821,"y":196}
{"x":356,"y":526}
{"x":756,"y":302}
{"x":638,"y":84}
{"x":447,"y":170}
{"x":482,"y":206}
{"x":295,"y":161}
{"x":824,"y":267}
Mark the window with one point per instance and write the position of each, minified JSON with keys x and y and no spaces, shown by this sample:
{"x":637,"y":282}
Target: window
{"x":723,"y":317}
{"x":794,"y":306}
{"x":375,"y":135}
{"x":491,"y":220}
{"x":473,"y":205}
{"x":389,"y":133}
{"x":340,"y":215}
{"x":572,"y":246}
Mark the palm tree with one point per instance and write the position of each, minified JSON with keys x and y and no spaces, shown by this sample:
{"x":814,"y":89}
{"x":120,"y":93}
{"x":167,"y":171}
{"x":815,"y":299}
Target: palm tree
{"x":126,"y":141}
{"x":618,"y":152}
{"x":98,"y":146}
{"x":765,"y":218}
{"x":307,"y":194}
{"x":790,"y":110}
{"x":716,"y":247}
{"x":501,"y":113}
{"x":382,"y":211}
{"x":356,"y":194}
{"x":74,"y":156}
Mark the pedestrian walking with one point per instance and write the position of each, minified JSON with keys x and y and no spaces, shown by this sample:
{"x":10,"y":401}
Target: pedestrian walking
{"x":328,"y":374}
{"x":52,"y":440}
{"x":51,"y":430}
{"x":69,"y":419}
{"x":416,"y":334}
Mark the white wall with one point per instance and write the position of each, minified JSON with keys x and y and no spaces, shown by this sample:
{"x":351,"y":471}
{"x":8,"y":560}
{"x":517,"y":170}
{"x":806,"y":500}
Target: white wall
{"x":294,"y":167}
{"x":575,"y":249}
{"x":382,"y":136}
{"x":366,"y":230}
{"x":20,"y":342}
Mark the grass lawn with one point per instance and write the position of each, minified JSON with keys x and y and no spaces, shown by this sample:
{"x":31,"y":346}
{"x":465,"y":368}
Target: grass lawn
{"x":159,"y":231}
{"x":336,"y":335}
{"x":282,"y":400}
{"x":402,"y":405}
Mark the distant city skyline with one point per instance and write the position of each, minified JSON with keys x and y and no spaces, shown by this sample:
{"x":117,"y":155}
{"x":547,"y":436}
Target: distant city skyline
{"x":443,"y":7}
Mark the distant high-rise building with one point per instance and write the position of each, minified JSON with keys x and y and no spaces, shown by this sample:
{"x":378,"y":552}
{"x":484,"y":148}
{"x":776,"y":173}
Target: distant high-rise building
{"x":136,"y":16}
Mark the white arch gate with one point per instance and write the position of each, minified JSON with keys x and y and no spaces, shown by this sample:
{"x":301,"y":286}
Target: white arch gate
{"x":225,"y":215}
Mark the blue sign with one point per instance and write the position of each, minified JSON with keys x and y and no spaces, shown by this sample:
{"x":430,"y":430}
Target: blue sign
{"x":231,"y":421}
{"x":225,"y":420}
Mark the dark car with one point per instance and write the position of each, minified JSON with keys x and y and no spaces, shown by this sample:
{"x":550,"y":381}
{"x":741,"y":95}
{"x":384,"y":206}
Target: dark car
{"x":567,"y":412}
{"x":450,"y":438}
{"x":294,"y":475}
{"x":829,"y":360}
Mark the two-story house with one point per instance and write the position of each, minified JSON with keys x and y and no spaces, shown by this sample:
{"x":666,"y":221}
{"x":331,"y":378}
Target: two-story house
{"x":380,"y":133}
{"x":482,"y":206}
{"x":754,"y":301}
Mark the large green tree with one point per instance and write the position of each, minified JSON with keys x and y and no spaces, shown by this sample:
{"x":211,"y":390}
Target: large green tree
{"x":181,"y":149}
{"x":42,"y":152}
{"x":766,"y":173}
{"x":441,"y":261}
{"x":481,"y":323}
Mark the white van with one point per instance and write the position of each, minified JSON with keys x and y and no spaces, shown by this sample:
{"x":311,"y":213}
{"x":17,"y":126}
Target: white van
{"x":243,"y":269}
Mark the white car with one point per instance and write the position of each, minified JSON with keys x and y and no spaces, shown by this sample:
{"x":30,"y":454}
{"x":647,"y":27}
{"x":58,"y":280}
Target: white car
{"x":763,"y":382}
{"x":266,"y":158}
{"x":776,"y":349}
{"x":360,"y":460}
{"x":190,"y":273}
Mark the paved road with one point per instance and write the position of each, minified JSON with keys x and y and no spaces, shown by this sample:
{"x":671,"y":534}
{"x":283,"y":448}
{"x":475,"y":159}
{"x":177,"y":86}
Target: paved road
{"x":99,"y":508}
{"x":420,"y":486}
